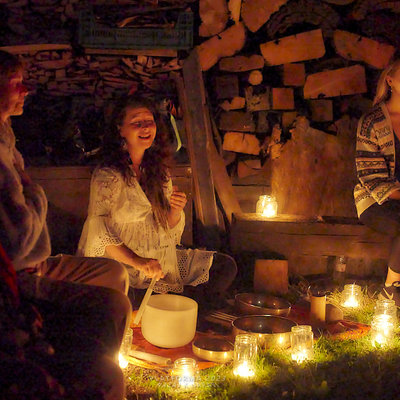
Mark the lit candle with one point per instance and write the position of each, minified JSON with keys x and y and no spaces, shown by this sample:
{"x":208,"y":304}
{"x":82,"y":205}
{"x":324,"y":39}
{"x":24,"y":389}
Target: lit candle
{"x":245,"y":355}
{"x":185,"y":370}
{"x":351,"y":296}
{"x":267,"y":206}
{"x":301,"y":339}
{"x":382,"y":329}
{"x":125,"y":348}
{"x":386,"y":307}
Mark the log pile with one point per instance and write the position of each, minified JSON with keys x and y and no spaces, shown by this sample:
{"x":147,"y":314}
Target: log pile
{"x":306,"y":69}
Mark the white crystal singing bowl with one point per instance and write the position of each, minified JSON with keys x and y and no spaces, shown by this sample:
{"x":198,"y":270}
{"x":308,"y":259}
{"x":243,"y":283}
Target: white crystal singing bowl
{"x":169,"y":320}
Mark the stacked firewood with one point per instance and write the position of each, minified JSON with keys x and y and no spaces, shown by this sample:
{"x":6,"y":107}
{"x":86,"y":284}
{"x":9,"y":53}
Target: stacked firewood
{"x":290,"y":80}
{"x":59,"y":73}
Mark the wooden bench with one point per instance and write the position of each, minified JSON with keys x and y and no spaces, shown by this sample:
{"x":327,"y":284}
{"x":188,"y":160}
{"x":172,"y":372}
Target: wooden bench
{"x":293,"y":237}
{"x":68,"y":189}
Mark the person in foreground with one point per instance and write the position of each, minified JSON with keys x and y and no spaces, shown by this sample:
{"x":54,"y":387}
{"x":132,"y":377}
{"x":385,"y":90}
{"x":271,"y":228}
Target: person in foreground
{"x":136,"y":215}
{"x":82,"y":301}
{"x":377,"y":194}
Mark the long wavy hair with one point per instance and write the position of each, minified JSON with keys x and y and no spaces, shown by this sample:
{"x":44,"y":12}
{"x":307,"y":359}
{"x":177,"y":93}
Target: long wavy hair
{"x":157,"y":159}
{"x":383,"y":91}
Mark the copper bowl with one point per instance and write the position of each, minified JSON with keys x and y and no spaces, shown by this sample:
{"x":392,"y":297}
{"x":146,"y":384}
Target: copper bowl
{"x":272,"y":331}
{"x":261,"y":303}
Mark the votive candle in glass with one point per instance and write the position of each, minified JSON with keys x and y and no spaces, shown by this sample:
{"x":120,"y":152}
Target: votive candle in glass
{"x":351,"y":296}
{"x":267,"y":206}
{"x":382,"y":329}
{"x":302,"y":341}
{"x":125,"y":348}
{"x":185,"y":371}
{"x":386,"y":307}
{"x":245,"y":355}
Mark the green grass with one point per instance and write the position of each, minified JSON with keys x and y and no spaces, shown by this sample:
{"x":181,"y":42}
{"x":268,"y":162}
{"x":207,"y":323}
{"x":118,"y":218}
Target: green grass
{"x":340,"y":369}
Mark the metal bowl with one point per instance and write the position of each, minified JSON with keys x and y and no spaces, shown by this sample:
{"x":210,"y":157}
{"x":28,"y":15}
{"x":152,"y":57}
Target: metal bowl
{"x":261,"y":303}
{"x":213,"y":349}
{"x":272,"y":331}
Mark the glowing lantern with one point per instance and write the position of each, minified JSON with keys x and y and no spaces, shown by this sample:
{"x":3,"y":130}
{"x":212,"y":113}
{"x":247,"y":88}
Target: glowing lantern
{"x":186,"y":372}
{"x":245,"y":355}
{"x":351,"y":296}
{"x":386,"y":307}
{"x":125,"y":348}
{"x":382,"y":329}
{"x":267,"y":206}
{"x":302,"y":342}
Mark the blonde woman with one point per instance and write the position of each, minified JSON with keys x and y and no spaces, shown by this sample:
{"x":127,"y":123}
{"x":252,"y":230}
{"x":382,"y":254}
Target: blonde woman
{"x":377,"y":194}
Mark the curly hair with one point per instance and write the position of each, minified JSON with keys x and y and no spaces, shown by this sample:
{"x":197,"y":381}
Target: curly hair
{"x":157,"y":159}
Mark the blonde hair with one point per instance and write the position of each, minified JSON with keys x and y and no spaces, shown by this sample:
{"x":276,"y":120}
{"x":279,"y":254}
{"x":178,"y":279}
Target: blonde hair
{"x":383,"y":88}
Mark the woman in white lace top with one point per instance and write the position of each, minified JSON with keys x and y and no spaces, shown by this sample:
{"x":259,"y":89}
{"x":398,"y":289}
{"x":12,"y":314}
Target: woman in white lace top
{"x":135,"y":215}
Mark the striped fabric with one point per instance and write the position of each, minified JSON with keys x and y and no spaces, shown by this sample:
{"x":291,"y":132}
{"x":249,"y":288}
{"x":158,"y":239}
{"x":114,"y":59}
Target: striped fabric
{"x":375,"y":159}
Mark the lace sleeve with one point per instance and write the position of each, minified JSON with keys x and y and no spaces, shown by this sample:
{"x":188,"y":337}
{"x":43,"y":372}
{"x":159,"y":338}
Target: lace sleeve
{"x":97,"y":233}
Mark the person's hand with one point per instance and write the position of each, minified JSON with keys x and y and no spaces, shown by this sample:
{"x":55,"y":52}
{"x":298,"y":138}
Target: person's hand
{"x":178,"y":200}
{"x":151,"y":268}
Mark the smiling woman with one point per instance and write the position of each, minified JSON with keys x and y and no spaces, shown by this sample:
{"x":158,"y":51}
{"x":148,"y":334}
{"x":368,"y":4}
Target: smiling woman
{"x":135,"y":214}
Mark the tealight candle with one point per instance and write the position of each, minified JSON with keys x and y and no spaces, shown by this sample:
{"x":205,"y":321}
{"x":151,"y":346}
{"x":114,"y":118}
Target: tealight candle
{"x":267,"y":206}
{"x":301,"y":339}
{"x":351,"y":296}
{"x":185,"y":370}
{"x":382,"y":329}
{"x":245,"y":355}
{"x":125,"y":348}
{"x":386,"y":307}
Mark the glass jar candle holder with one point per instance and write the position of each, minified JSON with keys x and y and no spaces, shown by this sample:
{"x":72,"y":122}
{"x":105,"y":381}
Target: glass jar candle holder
{"x":245,"y":355}
{"x":185,"y":373}
{"x":125,"y":348}
{"x":382,"y":329}
{"x":267,"y":206}
{"x":302,"y":341}
{"x":351,"y":296}
{"x":386,"y":307}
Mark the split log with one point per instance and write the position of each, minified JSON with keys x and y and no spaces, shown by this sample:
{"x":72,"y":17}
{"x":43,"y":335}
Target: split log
{"x":227,"y":86}
{"x":262,"y":121}
{"x":288,"y":117}
{"x":241,"y":63}
{"x":358,"y":48}
{"x":364,"y":7}
{"x":225,"y":44}
{"x":257,"y":101}
{"x":214,"y":16}
{"x":282,"y":99}
{"x":241,"y":143}
{"x":321,"y":110}
{"x":235,"y":104}
{"x":339,"y":82}
{"x":255,"y":13}
{"x":294,"y":74}
{"x":301,"y":47}
{"x":248,"y":168}
{"x":236,"y":121}
{"x":234,"y":7}
{"x":302,"y":12}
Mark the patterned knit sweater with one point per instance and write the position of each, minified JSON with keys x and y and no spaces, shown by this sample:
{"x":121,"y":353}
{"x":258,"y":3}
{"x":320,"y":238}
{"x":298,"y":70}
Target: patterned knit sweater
{"x":23,"y":208}
{"x":375,"y":159}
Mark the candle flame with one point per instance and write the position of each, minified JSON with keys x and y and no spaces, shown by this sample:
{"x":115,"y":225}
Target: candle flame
{"x":123,"y":362}
{"x":351,"y":302}
{"x":244,"y":370}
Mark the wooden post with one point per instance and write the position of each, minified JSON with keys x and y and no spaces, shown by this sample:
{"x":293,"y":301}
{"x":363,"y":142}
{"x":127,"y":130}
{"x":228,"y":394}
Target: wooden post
{"x":193,"y":102}
{"x":271,"y":276}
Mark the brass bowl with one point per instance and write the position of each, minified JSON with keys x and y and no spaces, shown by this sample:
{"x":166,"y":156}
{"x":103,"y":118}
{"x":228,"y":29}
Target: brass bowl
{"x":261,"y":303}
{"x":213,"y":349}
{"x":272,"y":331}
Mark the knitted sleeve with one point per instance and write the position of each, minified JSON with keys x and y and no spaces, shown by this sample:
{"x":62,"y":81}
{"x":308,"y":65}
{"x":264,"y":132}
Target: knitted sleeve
{"x":372,"y":167}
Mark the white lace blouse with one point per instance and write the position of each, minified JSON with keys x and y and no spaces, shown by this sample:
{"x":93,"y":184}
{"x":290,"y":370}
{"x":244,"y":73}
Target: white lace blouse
{"x":120,"y":213}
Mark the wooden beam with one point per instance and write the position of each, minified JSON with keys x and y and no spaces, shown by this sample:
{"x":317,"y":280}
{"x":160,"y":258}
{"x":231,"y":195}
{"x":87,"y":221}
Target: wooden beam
{"x":193,"y":101}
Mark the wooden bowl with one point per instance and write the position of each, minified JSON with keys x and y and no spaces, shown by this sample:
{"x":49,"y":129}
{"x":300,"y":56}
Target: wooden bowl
{"x":261,"y":303}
